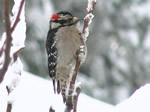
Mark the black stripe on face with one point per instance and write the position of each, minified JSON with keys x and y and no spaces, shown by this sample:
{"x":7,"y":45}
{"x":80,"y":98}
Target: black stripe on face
{"x":63,"y":21}
{"x":65,"y":13}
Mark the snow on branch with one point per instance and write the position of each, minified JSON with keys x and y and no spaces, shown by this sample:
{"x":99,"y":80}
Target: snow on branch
{"x":18,"y":16}
{"x":12,"y":42}
{"x":8,"y":41}
{"x":73,"y":95}
{"x":88,"y":19}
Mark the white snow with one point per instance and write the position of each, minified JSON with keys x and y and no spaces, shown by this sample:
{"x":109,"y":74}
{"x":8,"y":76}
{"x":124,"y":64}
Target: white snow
{"x":2,"y":41}
{"x":19,"y":34}
{"x":88,"y":104}
{"x":3,"y":98}
{"x":12,"y":77}
{"x":138,"y":102}
{"x":35,"y":94}
{"x":89,"y":17}
{"x":13,"y":74}
{"x":90,"y":4}
{"x":86,"y":34}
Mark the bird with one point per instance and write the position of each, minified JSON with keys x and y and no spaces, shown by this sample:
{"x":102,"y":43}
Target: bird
{"x":63,"y":44}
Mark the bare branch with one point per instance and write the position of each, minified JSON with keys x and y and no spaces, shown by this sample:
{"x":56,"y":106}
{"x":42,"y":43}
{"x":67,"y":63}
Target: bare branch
{"x":2,"y":48}
{"x":8,"y":90}
{"x":78,"y":90}
{"x":8,"y":41}
{"x":70,"y":99}
{"x":15,"y":55}
{"x":9,"y":107}
{"x":18,"y":16}
{"x":6,"y":46}
{"x":51,"y":109}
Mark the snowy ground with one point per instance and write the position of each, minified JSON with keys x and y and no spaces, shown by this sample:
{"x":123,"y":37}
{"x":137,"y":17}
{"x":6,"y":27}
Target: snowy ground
{"x":138,"y":102}
{"x":35,"y":94}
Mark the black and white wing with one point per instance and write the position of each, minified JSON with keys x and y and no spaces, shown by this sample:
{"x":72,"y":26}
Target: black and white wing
{"x":52,"y":55}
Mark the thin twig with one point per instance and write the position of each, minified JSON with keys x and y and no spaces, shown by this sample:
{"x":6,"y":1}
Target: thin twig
{"x":69,"y":102}
{"x":76,"y":71}
{"x":8,"y":90}
{"x":76,"y":97}
{"x":9,"y":107}
{"x":15,"y":55}
{"x":51,"y":109}
{"x":2,"y":48}
{"x":87,"y":20}
{"x":18,"y":16}
{"x":8,"y":41}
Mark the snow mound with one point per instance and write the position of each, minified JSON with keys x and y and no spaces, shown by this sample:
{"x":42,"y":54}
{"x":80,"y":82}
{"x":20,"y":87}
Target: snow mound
{"x":138,"y":102}
{"x":35,"y":94}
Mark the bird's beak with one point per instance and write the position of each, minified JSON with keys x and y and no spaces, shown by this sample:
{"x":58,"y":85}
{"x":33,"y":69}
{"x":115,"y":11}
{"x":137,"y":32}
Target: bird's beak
{"x":75,"y":19}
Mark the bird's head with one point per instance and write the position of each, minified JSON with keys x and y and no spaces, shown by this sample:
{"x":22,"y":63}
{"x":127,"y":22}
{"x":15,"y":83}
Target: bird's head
{"x":62,"y":19}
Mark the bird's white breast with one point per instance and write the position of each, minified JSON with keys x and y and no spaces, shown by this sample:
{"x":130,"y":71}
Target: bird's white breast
{"x":68,"y":43}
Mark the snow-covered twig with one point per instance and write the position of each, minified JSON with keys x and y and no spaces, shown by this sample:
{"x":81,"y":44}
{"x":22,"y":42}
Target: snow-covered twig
{"x":78,"y":90}
{"x":18,"y":16}
{"x":8,"y":42}
{"x":72,"y":100}
{"x":2,"y":48}
{"x":15,"y":55}
{"x":10,"y":65}
{"x":88,"y":19}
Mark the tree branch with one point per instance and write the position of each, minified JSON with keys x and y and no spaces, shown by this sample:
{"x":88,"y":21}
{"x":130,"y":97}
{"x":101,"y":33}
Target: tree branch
{"x":71,"y":103}
{"x":2,"y":48}
{"x":72,"y":100}
{"x":88,"y":19}
{"x":9,"y":107}
{"x":15,"y":55}
{"x":6,"y":46}
{"x":78,"y":90}
{"x":8,"y":41}
{"x":18,"y":16}
{"x":51,"y":109}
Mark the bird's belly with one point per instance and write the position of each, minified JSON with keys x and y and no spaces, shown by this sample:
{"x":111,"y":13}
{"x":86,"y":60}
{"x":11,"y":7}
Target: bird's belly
{"x":67,"y":54}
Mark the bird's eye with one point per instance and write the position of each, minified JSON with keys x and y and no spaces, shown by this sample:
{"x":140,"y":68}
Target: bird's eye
{"x":69,"y":20}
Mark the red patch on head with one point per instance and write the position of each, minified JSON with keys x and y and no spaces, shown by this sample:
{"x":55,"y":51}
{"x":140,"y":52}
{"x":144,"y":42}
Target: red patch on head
{"x":55,"y":17}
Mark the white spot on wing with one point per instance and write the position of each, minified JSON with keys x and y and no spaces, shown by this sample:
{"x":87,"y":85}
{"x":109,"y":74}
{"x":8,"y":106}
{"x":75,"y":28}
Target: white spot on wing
{"x":53,"y":44}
